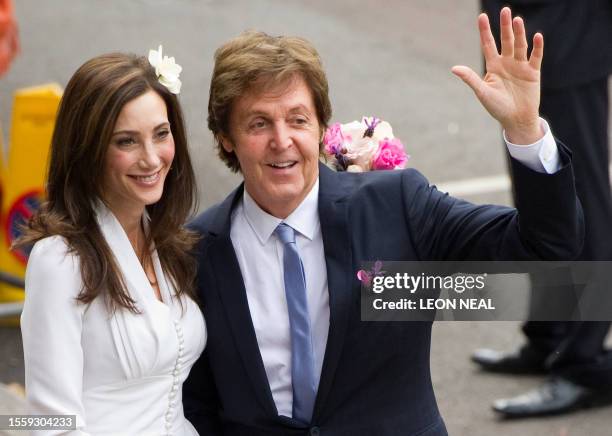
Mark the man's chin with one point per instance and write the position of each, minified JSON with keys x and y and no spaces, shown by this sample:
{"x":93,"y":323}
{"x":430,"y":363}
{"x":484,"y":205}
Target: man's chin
{"x":280,"y":198}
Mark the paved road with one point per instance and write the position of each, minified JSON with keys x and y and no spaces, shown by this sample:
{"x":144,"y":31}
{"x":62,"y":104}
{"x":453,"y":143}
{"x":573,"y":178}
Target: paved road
{"x":391,"y":59}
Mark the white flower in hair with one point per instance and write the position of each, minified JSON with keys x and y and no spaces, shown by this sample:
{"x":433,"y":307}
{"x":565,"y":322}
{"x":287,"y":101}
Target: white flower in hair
{"x":167,"y":70}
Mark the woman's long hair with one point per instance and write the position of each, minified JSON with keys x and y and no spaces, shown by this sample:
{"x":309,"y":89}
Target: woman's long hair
{"x":92,"y":101}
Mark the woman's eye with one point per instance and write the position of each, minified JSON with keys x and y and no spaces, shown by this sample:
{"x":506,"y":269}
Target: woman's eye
{"x":124,"y":142}
{"x":163,"y":134}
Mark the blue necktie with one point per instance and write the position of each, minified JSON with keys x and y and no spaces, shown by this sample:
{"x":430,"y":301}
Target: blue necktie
{"x":302,"y":355}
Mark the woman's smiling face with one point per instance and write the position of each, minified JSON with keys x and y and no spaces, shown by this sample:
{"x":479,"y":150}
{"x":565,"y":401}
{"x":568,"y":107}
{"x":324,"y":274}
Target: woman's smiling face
{"x":139,"y":155}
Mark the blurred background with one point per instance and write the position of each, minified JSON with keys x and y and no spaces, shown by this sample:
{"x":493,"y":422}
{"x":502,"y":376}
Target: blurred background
{"x":391,"y":59}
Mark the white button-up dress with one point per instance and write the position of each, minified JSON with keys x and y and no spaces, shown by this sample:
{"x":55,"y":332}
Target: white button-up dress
{"x":120,"y":373}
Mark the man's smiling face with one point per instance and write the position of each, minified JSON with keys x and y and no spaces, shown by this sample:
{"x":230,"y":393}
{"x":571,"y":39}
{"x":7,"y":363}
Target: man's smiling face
{"x":275,"y":135}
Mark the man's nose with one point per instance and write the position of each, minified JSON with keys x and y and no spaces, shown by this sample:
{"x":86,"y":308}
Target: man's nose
{"x":281,"y":137}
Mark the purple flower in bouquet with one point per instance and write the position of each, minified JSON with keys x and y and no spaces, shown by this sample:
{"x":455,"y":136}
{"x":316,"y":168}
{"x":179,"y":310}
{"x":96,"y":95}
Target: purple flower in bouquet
{"x":363,"y":145}
{"x":333,"y":139}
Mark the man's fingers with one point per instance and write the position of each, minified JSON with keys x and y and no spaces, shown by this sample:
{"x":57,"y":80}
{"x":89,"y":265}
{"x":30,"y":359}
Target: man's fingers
{"x":537,"y":53}
{"x":472,"y":79}
{"x":507,"y":35}
{"x":520,"y":40}
{"x":487,"y":42}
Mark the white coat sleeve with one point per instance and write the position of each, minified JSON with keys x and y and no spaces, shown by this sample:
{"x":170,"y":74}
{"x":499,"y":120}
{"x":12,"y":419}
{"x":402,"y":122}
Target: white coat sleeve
{"x":51,"y":326}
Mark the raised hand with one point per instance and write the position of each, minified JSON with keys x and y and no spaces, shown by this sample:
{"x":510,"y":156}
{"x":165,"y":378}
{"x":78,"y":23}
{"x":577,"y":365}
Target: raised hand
{"x":510,"y":89}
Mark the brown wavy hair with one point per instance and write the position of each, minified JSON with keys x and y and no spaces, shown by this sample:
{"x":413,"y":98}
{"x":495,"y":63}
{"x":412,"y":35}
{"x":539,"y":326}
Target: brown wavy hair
{"x":88,"y":111}
{"x":258,"y":59}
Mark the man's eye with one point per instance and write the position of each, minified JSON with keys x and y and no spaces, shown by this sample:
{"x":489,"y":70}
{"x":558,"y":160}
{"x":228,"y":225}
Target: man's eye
{"x":259,"y":124}
{"x":299,"y":120}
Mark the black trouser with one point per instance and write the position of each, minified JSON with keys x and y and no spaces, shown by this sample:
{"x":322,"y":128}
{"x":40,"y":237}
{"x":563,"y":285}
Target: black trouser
{"x":578,"y":116}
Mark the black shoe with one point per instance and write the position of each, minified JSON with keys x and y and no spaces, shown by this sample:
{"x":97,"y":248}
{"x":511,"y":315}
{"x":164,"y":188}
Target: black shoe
{"x":522,"y":361}
{"x":557,"y":395}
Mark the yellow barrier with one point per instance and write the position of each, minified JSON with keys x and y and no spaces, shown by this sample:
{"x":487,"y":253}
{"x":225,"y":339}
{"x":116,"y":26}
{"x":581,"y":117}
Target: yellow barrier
{"x":2,"y":175}
{"x":2,"y":178}
{"x":33,"y":119}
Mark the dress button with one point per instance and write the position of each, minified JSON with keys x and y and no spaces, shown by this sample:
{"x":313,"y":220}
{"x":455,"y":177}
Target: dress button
{"x":315,"y":431}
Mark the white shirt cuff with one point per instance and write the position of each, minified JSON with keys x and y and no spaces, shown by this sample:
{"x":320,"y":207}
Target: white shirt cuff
{"x":541,"y":156}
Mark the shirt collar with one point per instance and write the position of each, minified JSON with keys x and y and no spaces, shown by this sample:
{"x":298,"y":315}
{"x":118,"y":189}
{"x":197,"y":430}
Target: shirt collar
{"x":304,"y":219}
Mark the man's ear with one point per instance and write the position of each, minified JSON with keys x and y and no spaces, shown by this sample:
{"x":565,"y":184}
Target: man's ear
{"x":227,"y":143}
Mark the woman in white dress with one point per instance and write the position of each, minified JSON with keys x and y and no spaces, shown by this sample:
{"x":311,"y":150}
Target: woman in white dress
{"x":110,"y":327}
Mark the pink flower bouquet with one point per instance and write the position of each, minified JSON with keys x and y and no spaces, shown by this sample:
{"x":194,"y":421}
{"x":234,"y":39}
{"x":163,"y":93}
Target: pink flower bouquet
{"x":364,"y":146}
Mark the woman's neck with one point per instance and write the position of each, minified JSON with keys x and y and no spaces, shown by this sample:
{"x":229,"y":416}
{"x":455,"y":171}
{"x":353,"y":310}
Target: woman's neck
{"x":131,"y":222}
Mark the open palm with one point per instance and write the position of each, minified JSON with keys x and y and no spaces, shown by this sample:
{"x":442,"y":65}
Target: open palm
{"x":510,"y":89}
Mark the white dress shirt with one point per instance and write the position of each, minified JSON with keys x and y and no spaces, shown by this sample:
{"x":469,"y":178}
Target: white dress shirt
{"x":541,"y":156}
{"x":260,"y":257}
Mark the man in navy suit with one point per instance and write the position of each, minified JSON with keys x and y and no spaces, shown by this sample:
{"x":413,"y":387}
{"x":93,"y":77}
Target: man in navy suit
{"x":287,"y":352}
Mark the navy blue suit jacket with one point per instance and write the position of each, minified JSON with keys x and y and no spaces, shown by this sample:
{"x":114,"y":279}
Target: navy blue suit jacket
{"x":376,"y":377}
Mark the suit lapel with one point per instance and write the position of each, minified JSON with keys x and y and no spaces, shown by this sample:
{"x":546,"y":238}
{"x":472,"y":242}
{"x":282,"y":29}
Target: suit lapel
{"x":230,"y":287}
{"x":333,"y":215}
